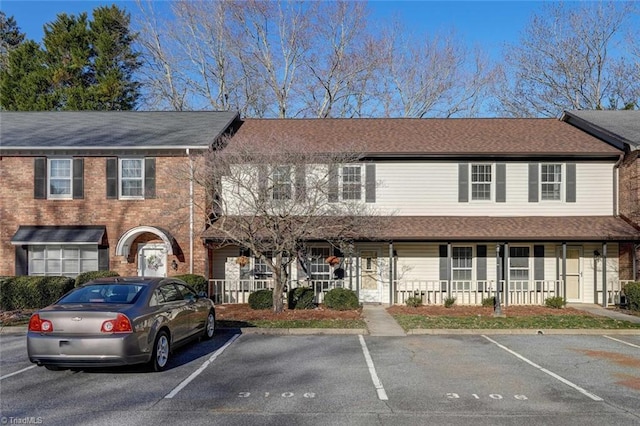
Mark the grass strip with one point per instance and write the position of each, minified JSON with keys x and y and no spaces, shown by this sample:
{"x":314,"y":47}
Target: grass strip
{"x":326,"y":323}
{"x":410,"y":322}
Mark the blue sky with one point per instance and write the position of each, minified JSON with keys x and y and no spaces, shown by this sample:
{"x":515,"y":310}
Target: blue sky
{"x":487,"y":23}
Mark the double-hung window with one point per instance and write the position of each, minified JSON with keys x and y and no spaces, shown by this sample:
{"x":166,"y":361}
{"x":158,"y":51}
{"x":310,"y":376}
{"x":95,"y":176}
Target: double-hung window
{"x":551,"y":181}
{"x":131,"y":178}
{"x":319,"y":268}
{"x":67,"y":260}
{"x":60,"y":178}
{"x":481,"y":180}
{"x":519,"y":273}
{"x":352,"y":182}
{"x":282,"y":185}
{"x":462,"y":267}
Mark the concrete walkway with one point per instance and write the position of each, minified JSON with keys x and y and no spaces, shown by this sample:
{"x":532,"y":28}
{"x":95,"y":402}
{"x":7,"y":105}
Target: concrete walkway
{"x":380,"y":322}
{"x":599,"y":310}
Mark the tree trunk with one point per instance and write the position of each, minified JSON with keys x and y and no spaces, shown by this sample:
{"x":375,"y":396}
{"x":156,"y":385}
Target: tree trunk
{"x":280,"y":278}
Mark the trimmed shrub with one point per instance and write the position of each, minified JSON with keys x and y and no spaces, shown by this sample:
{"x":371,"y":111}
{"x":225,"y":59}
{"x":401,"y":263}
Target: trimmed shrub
{"x":489,"y":302}
{"x":632,"y":293}
{"x":449,"y":302}
{"x":556,"y":302}
{"x":413,"y":301}
{"x":92,"y":275}
{"x":28,"y":292}
{"x":261,"y":299}
{"x":198,"y":282}
{"x":301,"y":298}
{"x":341,"y":299}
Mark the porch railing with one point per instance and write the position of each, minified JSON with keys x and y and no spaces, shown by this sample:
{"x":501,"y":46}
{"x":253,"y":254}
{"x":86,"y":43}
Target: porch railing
{"x":238,"y":291}
{"x":474,"y":292}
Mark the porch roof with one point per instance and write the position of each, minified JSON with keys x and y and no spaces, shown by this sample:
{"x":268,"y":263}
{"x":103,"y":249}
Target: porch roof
{"x":468,"y":228}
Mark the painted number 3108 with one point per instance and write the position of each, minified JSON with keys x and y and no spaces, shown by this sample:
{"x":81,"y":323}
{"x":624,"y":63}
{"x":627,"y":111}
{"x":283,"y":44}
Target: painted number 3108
{"x":284,"y":395}
{"x":491,"y":396}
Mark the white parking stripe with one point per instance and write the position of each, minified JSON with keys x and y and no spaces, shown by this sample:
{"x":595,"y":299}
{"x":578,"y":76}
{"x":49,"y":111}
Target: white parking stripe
{"x":544,"y":370}
{"x":622,"y":341}
{"x":17,"y":372}
{"x":195,"y":374}
{"x":382,"y":395}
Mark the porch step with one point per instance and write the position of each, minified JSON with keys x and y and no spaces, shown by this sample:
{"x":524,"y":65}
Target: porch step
{"x":379,"y":322}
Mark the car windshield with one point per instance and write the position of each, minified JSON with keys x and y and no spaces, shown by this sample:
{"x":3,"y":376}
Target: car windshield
{"x":105,"y":293}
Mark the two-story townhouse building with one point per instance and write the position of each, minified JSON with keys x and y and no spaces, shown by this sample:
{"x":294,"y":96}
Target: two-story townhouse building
{"x":86,"y":191}
{"x":622,"y":130}
{"x":463,"y":207}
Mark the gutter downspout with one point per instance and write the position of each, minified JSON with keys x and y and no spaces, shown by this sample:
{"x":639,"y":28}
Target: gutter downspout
{"x":190,"y":212}
{"x":616,"y":185}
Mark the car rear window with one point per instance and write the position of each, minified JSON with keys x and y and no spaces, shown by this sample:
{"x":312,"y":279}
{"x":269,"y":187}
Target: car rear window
{"x":105,"y":293}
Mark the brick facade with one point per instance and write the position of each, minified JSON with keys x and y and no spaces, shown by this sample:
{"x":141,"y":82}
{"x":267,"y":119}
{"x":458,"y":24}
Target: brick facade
{"x":169,"y":210}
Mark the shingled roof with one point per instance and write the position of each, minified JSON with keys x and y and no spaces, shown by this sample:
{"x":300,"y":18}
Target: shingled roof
{"x":433,"y":137}
{"x":474,"y":228}
{"x":615,"y":127}
{"x":21,"y":131}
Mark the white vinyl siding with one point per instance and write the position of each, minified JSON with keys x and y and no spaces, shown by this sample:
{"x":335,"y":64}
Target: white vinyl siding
{"x":431,"y":188}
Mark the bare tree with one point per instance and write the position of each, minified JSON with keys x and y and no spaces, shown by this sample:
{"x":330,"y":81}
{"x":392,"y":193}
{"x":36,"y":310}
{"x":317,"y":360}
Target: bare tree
{"x":341,"y":62}
{"x":271,"y":196}
{"x":567,"y":59}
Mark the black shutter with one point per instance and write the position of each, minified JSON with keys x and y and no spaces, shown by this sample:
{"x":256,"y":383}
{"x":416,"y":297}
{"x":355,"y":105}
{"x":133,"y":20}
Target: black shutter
{"x":463,"y":182}
{"x":444,"y":264}
{"x":481,"y":263}
{"x":78,"y":178}
{"x":112,"y":178}
{"x":571,"y":182}
{"x":149,"y":178}
{"x":263,"y":186}
{"x":533,"y":182}
{"x":333,"y":183}
{"x":370,"y":183}
{"x":501,"y":183}
{"x":301,"y":183}
{"x":22,"y":264}
{"x":103,"y":258}
{"x":40,"y":178}
{"x":538,"y":265}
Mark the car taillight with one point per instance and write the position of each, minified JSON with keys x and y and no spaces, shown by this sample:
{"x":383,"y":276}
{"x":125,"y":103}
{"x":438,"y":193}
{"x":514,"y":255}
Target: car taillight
{"x":119,"y":325}
{"x":37,"y":324}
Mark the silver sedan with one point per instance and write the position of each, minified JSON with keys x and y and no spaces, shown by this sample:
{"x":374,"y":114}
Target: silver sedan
{"x":119,"y":321}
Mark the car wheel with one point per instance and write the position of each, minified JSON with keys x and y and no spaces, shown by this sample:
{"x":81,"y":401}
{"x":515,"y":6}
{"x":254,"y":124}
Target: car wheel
{"x":161,"y":350}
{"x":210,"y":326}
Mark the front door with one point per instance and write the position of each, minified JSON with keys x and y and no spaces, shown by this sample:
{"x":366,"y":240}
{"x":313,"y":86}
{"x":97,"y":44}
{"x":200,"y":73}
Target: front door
{"x":152,"y":260}
{"x":370,"y":282}
{"x":574,"y":274}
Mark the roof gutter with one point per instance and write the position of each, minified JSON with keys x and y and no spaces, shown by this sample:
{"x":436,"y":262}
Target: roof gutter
{"x":191,"y":218}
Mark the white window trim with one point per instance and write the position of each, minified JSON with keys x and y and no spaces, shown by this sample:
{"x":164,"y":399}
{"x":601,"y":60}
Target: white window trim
{"x":120,"y":169}
{"x":468,"y":282}
{"x":68,"y":196}
{"x":61,"y":259}
{"x":562,"y":182}
{"x":362,"y":183}
{"x":530,"y":266}
{"x":290,"y":183}
{"x":492,"y":184}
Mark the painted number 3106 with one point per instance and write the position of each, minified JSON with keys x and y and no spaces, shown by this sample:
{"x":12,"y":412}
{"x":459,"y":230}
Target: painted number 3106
{"x":491,"y":396}
{"x":283,"y":395}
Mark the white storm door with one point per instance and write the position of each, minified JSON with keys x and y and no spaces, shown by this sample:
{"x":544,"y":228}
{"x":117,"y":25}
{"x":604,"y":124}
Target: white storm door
{"x":370,"y":285}
{"x":152,"y":260}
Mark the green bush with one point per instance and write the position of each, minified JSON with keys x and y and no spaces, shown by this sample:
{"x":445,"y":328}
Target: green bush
{"x":301,"y":298}
{"x":92,"y":275}
{"x":413,"y":301}
{"x":632,"y":292}
{"x":341,"y":299}
{"x":489,"y":301}
{"x":261,"y":299}
{"x":198,"y":282}
{"x":449,"y":302}
{"x":28,"y":292}
{"x":556,"y":302}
